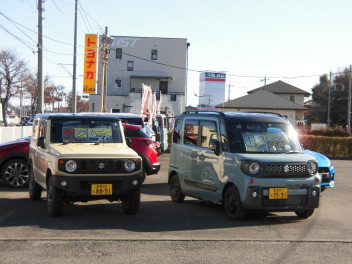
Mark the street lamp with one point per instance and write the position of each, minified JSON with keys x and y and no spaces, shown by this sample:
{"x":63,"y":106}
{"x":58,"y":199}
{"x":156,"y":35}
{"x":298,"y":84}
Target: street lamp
{"x":105,"y":40}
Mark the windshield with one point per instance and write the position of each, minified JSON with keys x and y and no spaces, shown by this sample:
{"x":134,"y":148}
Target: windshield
{"x":263,"y":138}
{"x":84,"y":131}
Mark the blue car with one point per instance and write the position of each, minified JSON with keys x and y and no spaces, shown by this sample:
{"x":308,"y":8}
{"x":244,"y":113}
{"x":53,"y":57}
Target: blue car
{"x":326,"y":170}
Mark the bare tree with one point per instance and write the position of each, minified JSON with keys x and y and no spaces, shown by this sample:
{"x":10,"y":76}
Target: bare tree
{"x":12,"y":72}
{"x":82,"y":105}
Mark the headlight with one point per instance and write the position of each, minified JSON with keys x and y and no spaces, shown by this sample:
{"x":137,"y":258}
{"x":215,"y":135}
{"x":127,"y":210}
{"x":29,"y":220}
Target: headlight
{"x":312,"y":167}
{"x":71,"y":166}
{"x":129,"y":165}
{"x":251,"y":168}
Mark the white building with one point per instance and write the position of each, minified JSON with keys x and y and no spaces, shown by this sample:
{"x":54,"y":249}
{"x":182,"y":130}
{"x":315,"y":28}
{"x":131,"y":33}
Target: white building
{"x":211,"y":88}
{"x":158,"y":62}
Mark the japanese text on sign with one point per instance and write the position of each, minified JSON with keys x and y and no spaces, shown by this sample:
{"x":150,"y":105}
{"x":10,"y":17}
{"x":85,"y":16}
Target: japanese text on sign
{"x":90,"y":63}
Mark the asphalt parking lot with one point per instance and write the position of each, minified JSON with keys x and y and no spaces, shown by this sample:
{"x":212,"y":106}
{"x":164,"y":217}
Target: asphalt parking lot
{"x":164,"y":232}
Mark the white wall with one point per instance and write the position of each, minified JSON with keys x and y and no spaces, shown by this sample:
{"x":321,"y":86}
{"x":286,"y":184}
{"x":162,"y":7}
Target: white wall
{"x":11,"y":133}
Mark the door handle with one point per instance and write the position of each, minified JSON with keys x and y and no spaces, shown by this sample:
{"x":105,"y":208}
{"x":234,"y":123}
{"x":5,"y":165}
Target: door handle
{"x":202,"y":157}
{"x":193,"y":155}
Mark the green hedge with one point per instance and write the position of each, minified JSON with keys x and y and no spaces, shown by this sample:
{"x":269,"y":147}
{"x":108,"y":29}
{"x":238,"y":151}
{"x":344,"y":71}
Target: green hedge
{"x":332,"y":147}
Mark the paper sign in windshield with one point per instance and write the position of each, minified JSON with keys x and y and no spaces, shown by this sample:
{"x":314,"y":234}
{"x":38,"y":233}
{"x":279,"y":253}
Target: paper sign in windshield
{"x":101,"y":134}
{"x":271,"y":142}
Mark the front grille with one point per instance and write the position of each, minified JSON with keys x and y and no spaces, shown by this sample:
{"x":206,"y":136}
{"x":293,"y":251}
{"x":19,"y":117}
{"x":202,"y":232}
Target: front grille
{"x":292,"y":200}
{"x":100,"y":166}
{"x":284,"y":170}
{"x":96,"y":166}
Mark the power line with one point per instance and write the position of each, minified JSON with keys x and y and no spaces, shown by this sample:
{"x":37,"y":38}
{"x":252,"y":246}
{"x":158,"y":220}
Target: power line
{"x":28,"y":45}
{"x":84,"y":21}
{"x":230,"y":75}
{"x":79,"y":2}
{"x":59,"y":9}
{"x":15,"y":22}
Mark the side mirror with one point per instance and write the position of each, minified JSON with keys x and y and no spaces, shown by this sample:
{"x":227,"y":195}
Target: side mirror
{"x":40,"y":142}
{"x":128,"y":141}
{"x":215,"y":146}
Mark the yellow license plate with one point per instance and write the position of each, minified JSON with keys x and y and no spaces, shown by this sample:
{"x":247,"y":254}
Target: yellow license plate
{"x":278,"y":193}
{"x":101,"y":189}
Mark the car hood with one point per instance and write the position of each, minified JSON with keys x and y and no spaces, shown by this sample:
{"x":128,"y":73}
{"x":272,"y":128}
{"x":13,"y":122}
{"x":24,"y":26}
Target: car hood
{"x":91,"y":150}
{"x":323,"y":161}
{"x":19,"y":141}
{"x":282,"y":157}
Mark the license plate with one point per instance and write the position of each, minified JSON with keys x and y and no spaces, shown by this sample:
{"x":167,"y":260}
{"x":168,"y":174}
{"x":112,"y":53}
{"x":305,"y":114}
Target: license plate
{"x":278,"y":193}
{"x":101,"y":189}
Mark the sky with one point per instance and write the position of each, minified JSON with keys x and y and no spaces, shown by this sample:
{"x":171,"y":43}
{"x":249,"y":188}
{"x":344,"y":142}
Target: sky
{"x":293,"y":41}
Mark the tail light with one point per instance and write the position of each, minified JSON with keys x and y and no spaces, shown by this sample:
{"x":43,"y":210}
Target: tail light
{"x":148,"y":142}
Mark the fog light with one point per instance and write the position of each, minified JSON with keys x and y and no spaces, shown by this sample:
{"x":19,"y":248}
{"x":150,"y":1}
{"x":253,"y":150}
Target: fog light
{"x":135,"y":182}
{"x":64,"y":183}
{"x":314,"y":193}
{"x":254,"y":194}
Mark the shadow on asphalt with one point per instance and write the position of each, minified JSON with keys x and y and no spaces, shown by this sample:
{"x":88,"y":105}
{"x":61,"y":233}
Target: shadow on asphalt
{"x":155,"y":189}
{"x":153,"y":216}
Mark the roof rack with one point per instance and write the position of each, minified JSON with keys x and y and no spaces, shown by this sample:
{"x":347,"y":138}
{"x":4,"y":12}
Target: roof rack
{"x":271,"y":113}
{"x":203,"y":112}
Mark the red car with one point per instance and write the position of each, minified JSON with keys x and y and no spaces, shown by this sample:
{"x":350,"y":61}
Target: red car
{"x":145,"y":146}
{"x":14,"y":162}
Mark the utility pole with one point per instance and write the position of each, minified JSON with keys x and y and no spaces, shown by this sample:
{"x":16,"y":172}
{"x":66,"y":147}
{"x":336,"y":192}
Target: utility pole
{"x":349,"y":103}
{"x":264,"y":80}
{"x":228,"y":91}
{"x":40,"y":103}
{"x":329,"y":95}
{"x":74,"y":92}
{"x":105,"y":39}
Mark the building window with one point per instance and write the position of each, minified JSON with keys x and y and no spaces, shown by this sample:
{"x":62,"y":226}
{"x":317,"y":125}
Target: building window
{"x":292,"y":98}
{"x":118,"y":83}
{"x":118,"y":53}
{"x":173,"y":97}
{"x":163,"y":87}
{"x":130,"y":65}
{"x":154,"y":54}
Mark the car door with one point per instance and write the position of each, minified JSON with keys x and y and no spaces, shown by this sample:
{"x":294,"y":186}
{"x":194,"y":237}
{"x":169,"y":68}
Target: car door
{"x":188,"y":158}
{"x":208,"y":164}
{"x":39,"y":161}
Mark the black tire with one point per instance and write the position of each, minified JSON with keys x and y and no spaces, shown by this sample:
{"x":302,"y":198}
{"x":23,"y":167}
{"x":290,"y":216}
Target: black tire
{"x":176,"y":193}
{"x":305,"y":213}
{"x":54,"y":199}
{"x":15,"y":173}
{"x":130,"y":204}
{"x":232,"y":204}
{"x":35,"y":190}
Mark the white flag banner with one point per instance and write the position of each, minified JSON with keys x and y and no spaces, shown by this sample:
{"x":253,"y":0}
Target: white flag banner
{"x":159,"y":105}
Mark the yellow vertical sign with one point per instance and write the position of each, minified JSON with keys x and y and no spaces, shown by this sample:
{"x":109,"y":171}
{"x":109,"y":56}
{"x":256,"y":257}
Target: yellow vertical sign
{"x":90,"y":63}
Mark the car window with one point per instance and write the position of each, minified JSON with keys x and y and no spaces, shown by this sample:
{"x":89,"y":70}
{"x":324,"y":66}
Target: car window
{"x":42,"y":129}
{"x":209,"y":132}
{"x":263,"y":137}
{"x":83,"y":131}
{"x":191,"y":132}
{"x":176,"y":137}
{"x":135,"y":133}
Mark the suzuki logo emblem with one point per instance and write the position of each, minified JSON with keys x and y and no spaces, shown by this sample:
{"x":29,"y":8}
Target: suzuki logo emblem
{"x":286,"y":168}
{"x":101,"y":165}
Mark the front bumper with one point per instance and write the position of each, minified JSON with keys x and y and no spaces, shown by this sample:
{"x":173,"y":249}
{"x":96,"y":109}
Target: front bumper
{"x":78,"y":188}
{"x":298,"y":199}
{"x":150,"y":168}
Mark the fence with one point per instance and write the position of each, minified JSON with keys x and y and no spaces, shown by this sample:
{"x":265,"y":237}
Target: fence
{"x":15,"y":132}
